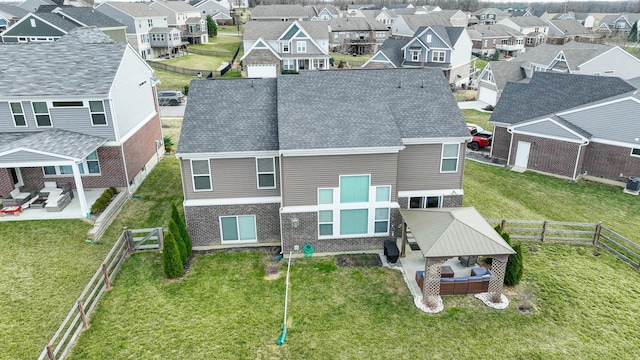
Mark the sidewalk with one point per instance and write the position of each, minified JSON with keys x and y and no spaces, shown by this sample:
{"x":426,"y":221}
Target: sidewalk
{"x":474,"y":105}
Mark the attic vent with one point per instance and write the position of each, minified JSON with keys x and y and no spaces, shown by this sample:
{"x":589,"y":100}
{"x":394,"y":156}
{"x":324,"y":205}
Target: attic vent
{"x":422,"y":86}
{"x":251,"y":82}
{"x":400,"y":85}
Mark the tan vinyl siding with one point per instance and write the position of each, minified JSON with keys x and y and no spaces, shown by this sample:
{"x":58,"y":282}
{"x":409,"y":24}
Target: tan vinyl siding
{"x":305,"y":174}
{"x":231,"y":178}
{"x":419,"y":169}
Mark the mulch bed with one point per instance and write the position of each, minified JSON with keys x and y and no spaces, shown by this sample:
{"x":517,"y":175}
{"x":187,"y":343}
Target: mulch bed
{"x":359,"y":260}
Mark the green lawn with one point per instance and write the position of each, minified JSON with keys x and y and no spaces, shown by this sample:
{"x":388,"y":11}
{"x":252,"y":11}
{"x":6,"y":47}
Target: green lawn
{"x":197,"y":62}
{"x":478,"y":118}
{"x":222,"y":42}
{"x":173,"y":81}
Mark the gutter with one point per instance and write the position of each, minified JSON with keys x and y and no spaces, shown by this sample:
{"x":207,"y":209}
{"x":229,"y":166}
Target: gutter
{"x":510,"y":131}
{"x":575,"y":169}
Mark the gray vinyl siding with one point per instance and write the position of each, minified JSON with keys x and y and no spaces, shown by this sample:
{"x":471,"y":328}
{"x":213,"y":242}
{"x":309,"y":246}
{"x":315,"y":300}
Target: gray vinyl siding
{"x":6,"y":120}
{"x":436,"y":42}
{"x":419,"y":169}
{"x":231,"y":178}
{"x":303,"y":175}
{"x":311,"y":48}
{"x":20,"y":156}
{"x":120,"y":16}
{"x":79,"y":120}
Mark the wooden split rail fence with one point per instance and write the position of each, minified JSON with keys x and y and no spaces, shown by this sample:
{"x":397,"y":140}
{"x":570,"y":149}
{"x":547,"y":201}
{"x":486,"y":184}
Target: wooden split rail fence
{"x":595,"y":233}
{"x":78,"y":317}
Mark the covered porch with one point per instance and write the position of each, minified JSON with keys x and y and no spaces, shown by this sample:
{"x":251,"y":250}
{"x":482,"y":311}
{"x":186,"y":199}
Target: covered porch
{"x":439,"y":251}
{"x":71,"y":211}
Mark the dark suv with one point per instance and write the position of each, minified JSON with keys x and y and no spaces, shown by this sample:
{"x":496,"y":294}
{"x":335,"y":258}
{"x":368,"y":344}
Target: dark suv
{"x":172,"y":98}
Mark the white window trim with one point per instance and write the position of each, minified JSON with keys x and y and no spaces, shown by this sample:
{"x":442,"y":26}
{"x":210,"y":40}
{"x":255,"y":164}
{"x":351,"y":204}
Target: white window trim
{"x":238,"y":230}
{"x":104,"y":112}
{"x":283,"y":44}
{"x":13,"y":115}
{"x":193,"y":181}
{"x":387,"y":220}
{"x":84,"y":164}
{"x":333,"y":194}
{"x":301,"y":49}
{"x":333,"y":226}
{"x":634,"y":155}
{"x":433,"y":56}
{"x":442,"y":157}
{"x":415,"y":54}
{"x":35,"y":115}
{"x":258,"y":173}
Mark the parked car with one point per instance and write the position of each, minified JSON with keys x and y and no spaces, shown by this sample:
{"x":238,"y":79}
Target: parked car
{"x":480,"y":137}
{"x":172,"y":98}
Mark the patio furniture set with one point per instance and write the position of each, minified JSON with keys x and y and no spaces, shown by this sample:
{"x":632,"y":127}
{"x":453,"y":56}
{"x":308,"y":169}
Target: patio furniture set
{"x":53,"y":197}
{"x":476,"y":282}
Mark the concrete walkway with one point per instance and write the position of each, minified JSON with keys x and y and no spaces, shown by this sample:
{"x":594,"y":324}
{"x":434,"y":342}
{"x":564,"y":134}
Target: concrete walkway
{"x":474,"y":105}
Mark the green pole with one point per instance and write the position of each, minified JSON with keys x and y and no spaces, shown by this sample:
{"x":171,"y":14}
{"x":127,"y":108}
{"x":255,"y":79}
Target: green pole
{"x":283,"y":334}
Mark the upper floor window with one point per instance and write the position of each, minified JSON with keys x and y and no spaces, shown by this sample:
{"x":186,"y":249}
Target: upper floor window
{"x":438,"y":56}
{"x":449,"y":160}
{"x":635,"y":152}
{"x":150,"y":22}
{"x":201,"y":174}
{"x":288,"y":64}
{"x":354,"y":189}
{"x":415,"y":55}
{"x":285,"y":47}
{"x":302,"y":46}
{"x":381,"y":35}
{"x":536,"y":30}
{"x":241,"y":228}
{"x":98,"y":116}
{"x":18,"y":114}
{"x":428,"y":38}
{"x":266,"y":172}
{"x":41,"y":110}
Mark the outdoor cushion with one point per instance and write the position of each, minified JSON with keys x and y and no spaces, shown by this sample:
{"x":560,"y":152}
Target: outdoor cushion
{"x":464,"y":279}
{"x":50,"y":184}
{"x":446,"y":279}
{"x":16,"y":194}
{"x":478,"y":271}
{"x":475,"y":278}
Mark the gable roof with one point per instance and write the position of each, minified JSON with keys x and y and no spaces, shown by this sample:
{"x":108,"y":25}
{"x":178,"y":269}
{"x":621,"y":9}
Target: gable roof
{"x":61,"y":23}
{"x":68,"y":66}
{"x":346,"y":109}
{"x":177,"y":6}
{"x":272,"y":30}
{"x":611,"y":19}
{"x":285,"y":11}
{"x":135,"y":9}
{"x":392,"y":50}
{"x":12,"y":10}
{"x":528,"y":21}
{"x":478,"y":32}
{"x":548,"y":93}
{"x":567,"y":28}
{"x":506,"y":71}
{"x":56,"y":142}
{"x":575,"y":52}
{"x":356,"y":24}
{"x":414,"y":22}
{"x":81,"y":16}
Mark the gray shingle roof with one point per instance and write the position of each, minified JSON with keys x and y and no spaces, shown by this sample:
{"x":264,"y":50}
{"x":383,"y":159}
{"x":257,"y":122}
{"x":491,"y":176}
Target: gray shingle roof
{"x":57,"y":21}
{"x":548,"y":93}
{"x":89,"y":17}
{"x":68,"y":66}
{"x":567,"y":28}
{"x":285,"y":11}
{"x":478,"y":32}
{"x":136,"y":9}
{"x":272,"y":30}
{"x":55,"y":141}
{"x":528,"y":21}
{"x":320,"y":110}
{"x":356,"y":24}
{"x":414,"y":22}
{"x":392,"y":48}
{"x":178,"y":6}
{"x":14,"y":10}
{"x":505,"y":71}
{"x":576,"y":53}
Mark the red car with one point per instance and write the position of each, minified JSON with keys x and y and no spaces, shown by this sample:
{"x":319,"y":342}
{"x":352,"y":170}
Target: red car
{"x":480,"y":137}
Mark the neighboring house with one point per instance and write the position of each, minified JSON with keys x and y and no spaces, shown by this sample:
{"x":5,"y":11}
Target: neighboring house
{"x":324,"y":12}
{"x":186,"y":18}
{"x":313,"y":160}
{"x":539,"y":14}
{"x":211,"y":8}
{"x":238,"y":4}
{"x":52,"y":22}
{"x":534,"y":28}
{"x":583,"y":19}
{"x":383,"y":16}
{"x":487,"y":16}
{"x":447,"y":48}
{"x":487,"y":39}
{"x":407,"y":25}
{"x":356,"y":35}
{"x":10,"y":14}
{"x":618,"y":25}
{"x":564,"y":31}
{"x":273,"y":47}
{"x":140,"y":19}
{"x":33,"y":5}
{"x":74,"y":117}
{"x":574,"y":58}
{"x":584,"y":126}
{"x":279,"y":13}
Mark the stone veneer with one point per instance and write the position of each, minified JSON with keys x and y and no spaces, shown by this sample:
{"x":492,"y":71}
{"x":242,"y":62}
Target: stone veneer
{"x":203,"y":222}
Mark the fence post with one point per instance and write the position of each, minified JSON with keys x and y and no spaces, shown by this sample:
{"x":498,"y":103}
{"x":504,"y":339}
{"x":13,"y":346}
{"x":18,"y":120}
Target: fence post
{"x":596,"y":235}
{"x":544,"y":230}
{"x":83,"y":316}
{"x":125,"y":233}
{"x":160,"y":237}
{"x":106,"y":275}
{"x":50,"y":354}
{"x":503,"y":225}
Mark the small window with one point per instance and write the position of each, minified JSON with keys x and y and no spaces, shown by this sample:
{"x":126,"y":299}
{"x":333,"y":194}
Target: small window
{"x":325,"y":196}
{"x":635,"y":152}
{"x":240,"y":228}
{"x":438,"y":56}
{"x":428,"y":38}
{"x":41,"y":111}
{"x":150,"y":22}
{"x":18,"y":114}
{"x":301,"y":46}
{"x":415,"y":55}
{"x":285,"y":47}
{"x":68,"y":104}
{"x":325,"y":223}
{"x":201,"y":174}
{"x":98,"y":116}
{"x":383,"y":193}
{"x":381,"y":221}
{"x":33,"y":22}
{"x":266,"y":173}
{"x":450,"y":153}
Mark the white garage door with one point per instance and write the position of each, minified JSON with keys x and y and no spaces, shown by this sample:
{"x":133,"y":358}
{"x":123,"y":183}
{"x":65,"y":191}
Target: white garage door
{"x":487,"y":95}
{"x":261,"y":71}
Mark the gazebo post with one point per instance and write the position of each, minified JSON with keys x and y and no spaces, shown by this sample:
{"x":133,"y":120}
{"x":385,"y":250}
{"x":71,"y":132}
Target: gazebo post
{"x":404,"y":239}
{"x":498,"y":269}
{"x":431,"y":284}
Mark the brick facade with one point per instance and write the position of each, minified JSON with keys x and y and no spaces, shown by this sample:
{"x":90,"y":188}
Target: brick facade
{"x":142,"y":146}
{"x":547,"y":155}
{"x":6,"y":183}
{"x":203,"y":222}
{"x":500,"y":143}
{"x":261,"y":57}
{"x":608,"y":162}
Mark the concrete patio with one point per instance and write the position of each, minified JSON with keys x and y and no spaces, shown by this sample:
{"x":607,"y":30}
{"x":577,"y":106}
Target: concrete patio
{"x":71,"y":211}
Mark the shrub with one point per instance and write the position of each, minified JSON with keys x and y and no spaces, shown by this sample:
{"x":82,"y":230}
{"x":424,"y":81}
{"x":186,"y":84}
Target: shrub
{"x":175,"y":215}
{"x":168,"y":144}
{"x":513,"y":273}
{"x":171,"y":262}
{"x":185,"y":90}
{"x":103,"y":201}
{"x":331,"y":61}
{"x":341,"y":64}
{"x":173,"y":229}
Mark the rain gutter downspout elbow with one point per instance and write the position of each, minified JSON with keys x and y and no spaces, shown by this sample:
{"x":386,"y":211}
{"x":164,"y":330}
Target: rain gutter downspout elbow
{"x":575,"y":169}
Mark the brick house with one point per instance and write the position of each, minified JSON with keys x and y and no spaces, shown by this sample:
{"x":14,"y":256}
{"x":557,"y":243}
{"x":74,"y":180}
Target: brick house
{"x":487,"y":39}
{"x":568,"y":125}
{"x":76,"y":118}
{"x":312,"y":160}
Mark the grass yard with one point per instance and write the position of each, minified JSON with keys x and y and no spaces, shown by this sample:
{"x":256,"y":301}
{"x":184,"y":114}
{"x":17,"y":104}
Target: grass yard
{"x":478,"y":118}
{"x":197,"y":62}
{"x":584,"y":308}
{"x":169,"y":80}
{"x":225,"y":42}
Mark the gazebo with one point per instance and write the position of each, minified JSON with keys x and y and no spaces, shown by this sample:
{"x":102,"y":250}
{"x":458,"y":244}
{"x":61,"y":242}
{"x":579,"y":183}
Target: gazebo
{"x":443,"y":233}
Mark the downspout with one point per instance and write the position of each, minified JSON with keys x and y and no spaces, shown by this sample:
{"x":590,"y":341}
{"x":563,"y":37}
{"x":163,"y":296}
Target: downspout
{"x":575,"y":169}
{"x":281,"y":203}
{"x":510,"y":131}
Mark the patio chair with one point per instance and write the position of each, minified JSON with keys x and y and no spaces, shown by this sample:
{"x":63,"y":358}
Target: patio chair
{"x":17,"y":197}
{"x":468,"y":261}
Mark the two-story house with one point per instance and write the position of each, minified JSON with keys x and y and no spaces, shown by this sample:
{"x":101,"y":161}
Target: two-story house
{"x":564,"y":31}
{"x":407,"y":25}
{"x":487,"y":39}
{"x":74,"y":117}
{"x":140,"y":18}
{"x":218,"y":10}
{"x":384,"y":16}
{"x":617,"y":25}
{"x":487,"y":16}
{"x":309,"y":162}
{"x":534,"y":28}
{"x":356,"y":35}
{"x":9,"y":15}
{"x":186,"y":18}
{"x":446,"y":48}
{"x":52,"y":22}
{"x":323,"y":12}
{"x":280,"y":13}
{"x":273,"y":47}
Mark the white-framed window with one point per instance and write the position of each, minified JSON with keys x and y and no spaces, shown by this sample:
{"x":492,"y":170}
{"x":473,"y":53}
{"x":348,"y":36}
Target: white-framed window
{"x":238,"y":228}
{"x":381,"y":35}
{"x":89,"y":166}
{"x":425,"y":202}
{"x":429,"y":37}
{"x":415,"y":55}
{"x":325,"y":196}
{"x":635,"y":152}
{"x":288,"y":64}
{"x":336,"y":36}
{"x":33,"y":22}
{"x":318,"y":63}
{"x":285,"y":47}
{"x":201,"y":175}
{"x":18,"y":114}
{"x":486,"y":43}
{"x":529,"y":41}
{"x":438,"y":56}
{"x":266,"y":173}
{"x":536,"y":30}
{"x":381,"y":224}
{"x":449,"y":160}
{"x":383,"y":193}
{"x":325,"y":223}
{"x":41,"y":110}
{"x":301,"y":46}
{"x":150,"y":22}
{"x":98,"y":116}
{"x":520,"y":41}
{"x":539,"y":68}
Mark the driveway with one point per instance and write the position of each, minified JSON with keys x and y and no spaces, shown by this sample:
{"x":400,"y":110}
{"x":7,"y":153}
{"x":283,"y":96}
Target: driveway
{"x":172,"y":111}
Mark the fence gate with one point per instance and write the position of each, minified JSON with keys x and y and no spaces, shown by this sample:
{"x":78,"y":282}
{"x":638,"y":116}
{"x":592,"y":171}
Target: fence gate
{"x":147,"y":238}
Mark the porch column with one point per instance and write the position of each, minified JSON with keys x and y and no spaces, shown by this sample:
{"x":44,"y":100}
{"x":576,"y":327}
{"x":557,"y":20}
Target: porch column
{"x":431,"y":285}
{"x":404,"y":239}
{"x":498,"y":269}
{"x":80,"y":190}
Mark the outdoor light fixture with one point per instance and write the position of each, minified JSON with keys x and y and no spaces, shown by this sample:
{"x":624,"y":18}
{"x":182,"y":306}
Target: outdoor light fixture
{"x":295,"y":223}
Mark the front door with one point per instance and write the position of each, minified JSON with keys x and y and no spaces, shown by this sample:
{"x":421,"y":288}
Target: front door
{"x":16,"y":177}
{"x":522,"y":154}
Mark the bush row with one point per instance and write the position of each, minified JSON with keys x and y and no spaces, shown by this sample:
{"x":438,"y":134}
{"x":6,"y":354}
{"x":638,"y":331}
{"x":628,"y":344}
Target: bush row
{"x":177,"y":246}
{"x":103,"y":201}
